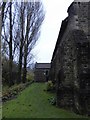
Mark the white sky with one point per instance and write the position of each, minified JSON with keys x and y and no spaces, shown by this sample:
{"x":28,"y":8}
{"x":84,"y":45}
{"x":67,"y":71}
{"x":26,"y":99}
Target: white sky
{"x":56,"y":11}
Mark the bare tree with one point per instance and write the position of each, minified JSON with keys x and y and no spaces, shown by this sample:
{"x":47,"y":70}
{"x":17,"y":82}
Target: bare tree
{"x":21,"y":30}
{"x":34,"y":18}
{"x":22,"y":24}
{"x":10,"y":36}
{"x":10,"y":39}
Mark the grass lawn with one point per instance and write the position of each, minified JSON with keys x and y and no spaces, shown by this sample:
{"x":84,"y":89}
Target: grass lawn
{"x":33,"y":103}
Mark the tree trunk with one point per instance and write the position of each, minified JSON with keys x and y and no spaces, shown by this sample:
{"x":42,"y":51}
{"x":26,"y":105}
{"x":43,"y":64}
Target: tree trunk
{"x":10,"y":49}
{"x":0,"y":56}
{"x":3,"y":8}
{"x":25,"y":64}
{"x":21,"y":49}
{"x":20,"y":66}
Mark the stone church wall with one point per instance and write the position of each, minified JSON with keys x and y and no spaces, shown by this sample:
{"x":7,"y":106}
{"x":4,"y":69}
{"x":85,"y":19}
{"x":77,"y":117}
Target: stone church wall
{"x":70,"y":64}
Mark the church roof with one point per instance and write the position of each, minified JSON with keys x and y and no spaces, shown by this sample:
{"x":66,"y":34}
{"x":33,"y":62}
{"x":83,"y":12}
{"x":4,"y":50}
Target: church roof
{"x":42,"y":65}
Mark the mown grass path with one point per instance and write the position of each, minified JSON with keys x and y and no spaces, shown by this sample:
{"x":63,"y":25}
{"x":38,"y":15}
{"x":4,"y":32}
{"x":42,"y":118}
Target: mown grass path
{"x":33,"y":103}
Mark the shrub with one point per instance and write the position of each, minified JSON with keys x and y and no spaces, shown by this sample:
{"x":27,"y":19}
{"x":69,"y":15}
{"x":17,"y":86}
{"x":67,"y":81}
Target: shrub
{"x":30,"y":77}
{"x":52,"y":100}
{"x":9,"y":93}
{"x":49,"y":86}
{"x":5,"y":71}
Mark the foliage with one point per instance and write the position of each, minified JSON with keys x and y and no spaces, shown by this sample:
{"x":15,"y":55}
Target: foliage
{"x":52,"y":100}
{"x":30,"y":76}
{"x":5,"y":71}
{"x":33,"y":103}
{"x":49,"y":85}
{"x":10,"y":93}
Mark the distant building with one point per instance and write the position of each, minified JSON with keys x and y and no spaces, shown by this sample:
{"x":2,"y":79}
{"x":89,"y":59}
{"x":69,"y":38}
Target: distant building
{"x":42,"y":72}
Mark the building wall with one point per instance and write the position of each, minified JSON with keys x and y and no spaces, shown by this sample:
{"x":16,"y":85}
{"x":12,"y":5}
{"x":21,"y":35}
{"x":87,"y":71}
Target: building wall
{"x":70,"y":65}
{"x":40,"y":75}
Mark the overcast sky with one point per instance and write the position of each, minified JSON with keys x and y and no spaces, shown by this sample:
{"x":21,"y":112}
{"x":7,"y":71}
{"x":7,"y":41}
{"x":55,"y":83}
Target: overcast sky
{"x":56,"y":11}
